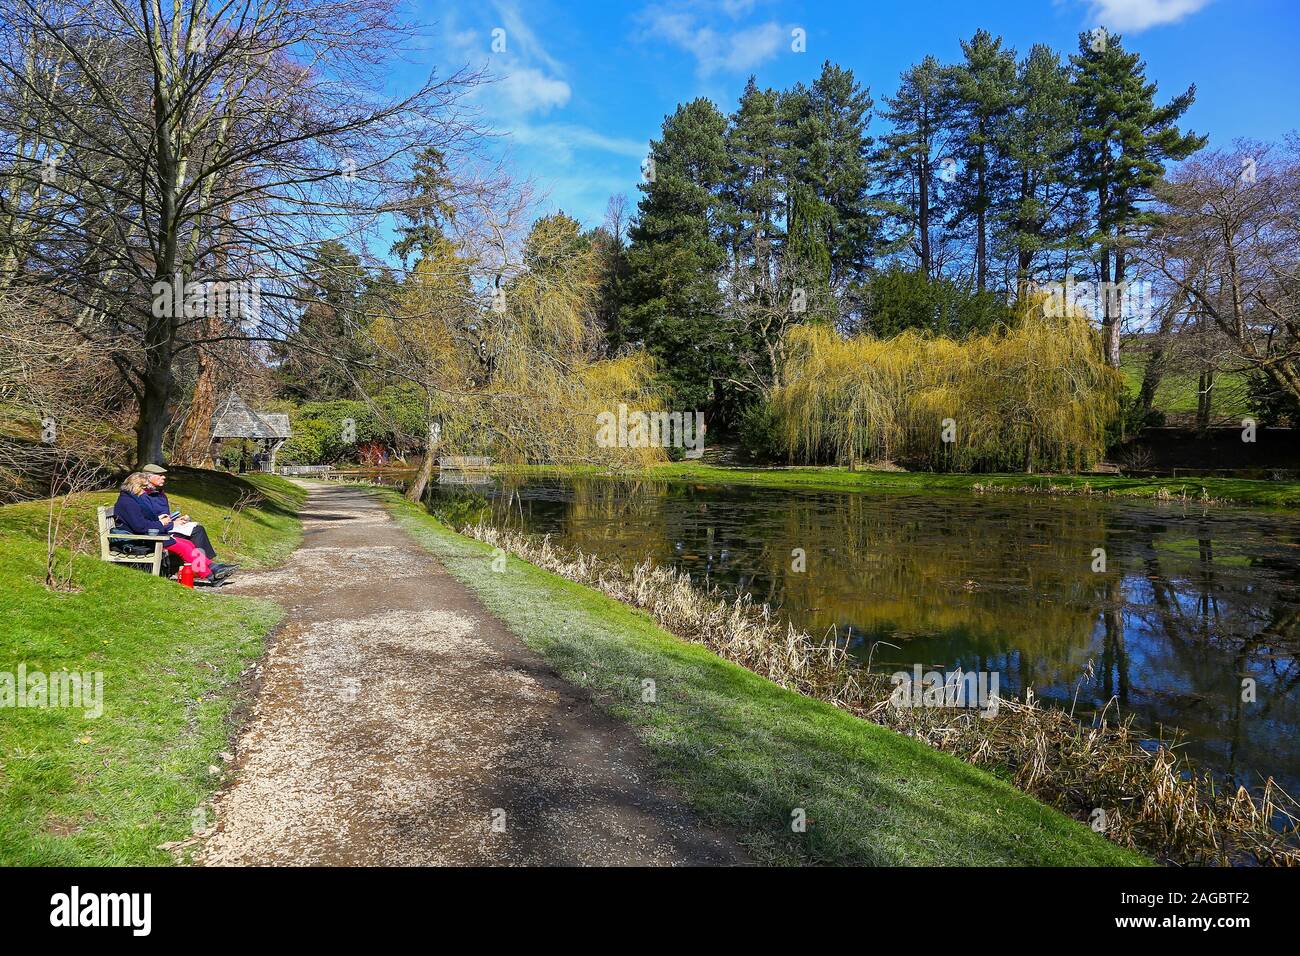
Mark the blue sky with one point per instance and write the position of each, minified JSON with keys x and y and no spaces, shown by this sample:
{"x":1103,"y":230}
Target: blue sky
{"x":582,"y":86}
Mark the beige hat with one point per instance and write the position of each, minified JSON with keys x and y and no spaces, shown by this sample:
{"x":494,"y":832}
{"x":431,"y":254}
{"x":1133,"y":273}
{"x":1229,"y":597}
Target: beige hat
{"x":154,"y":470}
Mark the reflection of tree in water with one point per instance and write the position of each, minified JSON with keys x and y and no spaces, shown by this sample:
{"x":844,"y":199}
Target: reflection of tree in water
{"x":901,"y":571}
{"x":1202,"y":622}
{"x":459,"y":505}
{"x":1180,"y":615}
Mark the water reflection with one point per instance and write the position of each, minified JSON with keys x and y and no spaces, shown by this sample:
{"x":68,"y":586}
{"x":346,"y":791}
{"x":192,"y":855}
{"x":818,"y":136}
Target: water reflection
{"x":1189,"y":606}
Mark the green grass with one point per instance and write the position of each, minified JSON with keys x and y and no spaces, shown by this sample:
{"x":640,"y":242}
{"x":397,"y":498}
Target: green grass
{"x":1179,"y":391}
{"x":107,"y":790}
{"x":746,"y":752}
{"x":1276,"y":494}
{"x":260,"y":534}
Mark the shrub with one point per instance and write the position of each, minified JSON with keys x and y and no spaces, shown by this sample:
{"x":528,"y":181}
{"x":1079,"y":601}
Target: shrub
{"x":759,"y":434}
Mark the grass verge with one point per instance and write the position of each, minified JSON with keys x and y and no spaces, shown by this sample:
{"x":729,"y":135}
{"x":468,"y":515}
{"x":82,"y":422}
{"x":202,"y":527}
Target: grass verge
{"x":1179,"y":393}
{"x":108,"y":790}
{"x":1275,"y":494}
{"x":748,"y":754}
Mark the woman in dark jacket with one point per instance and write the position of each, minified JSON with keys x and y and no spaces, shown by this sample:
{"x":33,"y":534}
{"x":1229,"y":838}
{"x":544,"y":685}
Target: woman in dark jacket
{"x":134,"y":512}
{"x":157,"y":498}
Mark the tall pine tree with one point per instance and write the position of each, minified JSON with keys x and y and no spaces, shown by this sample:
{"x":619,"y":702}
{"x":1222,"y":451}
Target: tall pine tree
{"x":753,"y":188}
{"x":1040,"y":209}
{"x":1125,"y":139}
{"x":983,"y":91}
{"x":673,"y":305}
{"x":911,"y":158}
{"x":319,"y":358}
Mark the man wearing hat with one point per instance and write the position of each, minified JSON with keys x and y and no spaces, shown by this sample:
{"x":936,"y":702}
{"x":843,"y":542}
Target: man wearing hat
{"x":197,"y":534}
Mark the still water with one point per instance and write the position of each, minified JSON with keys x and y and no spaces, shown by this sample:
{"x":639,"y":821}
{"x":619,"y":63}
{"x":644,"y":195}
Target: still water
{"x":1192,"y":600}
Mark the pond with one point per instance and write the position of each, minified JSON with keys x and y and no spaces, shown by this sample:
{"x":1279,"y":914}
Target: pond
{"x":1193,"y":600}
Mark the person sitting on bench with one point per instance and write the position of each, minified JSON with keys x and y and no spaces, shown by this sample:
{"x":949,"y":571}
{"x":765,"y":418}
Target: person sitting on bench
{"x":183,"y":527}
{"x":134,"y":512}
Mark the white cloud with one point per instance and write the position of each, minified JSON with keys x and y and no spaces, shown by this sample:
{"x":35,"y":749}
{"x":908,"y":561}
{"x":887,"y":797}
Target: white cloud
{"x":1134,"y":16}
{"x":525,"y":104}
{"x":526,"y":89}
{"x":524,"y":77}
{"x":521,"y":36}
{"x":560,"y":139}
{"x":716,"y":50}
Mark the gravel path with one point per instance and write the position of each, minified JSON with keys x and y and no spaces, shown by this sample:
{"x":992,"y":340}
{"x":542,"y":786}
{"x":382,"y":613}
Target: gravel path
{"x":398,"y":723}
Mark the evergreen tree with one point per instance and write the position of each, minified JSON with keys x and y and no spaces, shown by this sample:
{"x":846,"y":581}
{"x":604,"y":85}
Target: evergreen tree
{"x":899,"y":299}
{"x":753,"y":191}
{"x":830,"y":153}
{"x":1039,"y":209}
{"x":983,"y":91}
{"x":910,"y":159}
{"x":321,"y":355}
{"x":611,"y":259}
{"x":610,"y":243}
{"x":673,"y":304}
{"x":427,"y":209}
{"x":808,"y":264}
{"x":1125,"y":140}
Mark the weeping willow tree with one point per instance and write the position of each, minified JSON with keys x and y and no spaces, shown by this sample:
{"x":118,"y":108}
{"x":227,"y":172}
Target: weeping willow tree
{"x":1033,"y":396}
{"x":521,"y":376}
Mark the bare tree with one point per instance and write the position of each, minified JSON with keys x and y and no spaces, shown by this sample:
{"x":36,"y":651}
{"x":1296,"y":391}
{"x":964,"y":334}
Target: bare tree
{"x":1230,"y":247}
{"x":762,"y":305}
{"x":175,"y":153}
{"x":58,"y":402}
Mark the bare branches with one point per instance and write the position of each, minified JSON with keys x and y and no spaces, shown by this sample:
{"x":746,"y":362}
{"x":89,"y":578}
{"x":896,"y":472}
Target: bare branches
{"x":1230,"y":245}
{"x":177,"y":141}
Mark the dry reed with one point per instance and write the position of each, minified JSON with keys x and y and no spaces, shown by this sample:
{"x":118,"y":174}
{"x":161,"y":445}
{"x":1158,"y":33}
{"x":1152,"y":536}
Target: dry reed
{"x":1152,"y":801}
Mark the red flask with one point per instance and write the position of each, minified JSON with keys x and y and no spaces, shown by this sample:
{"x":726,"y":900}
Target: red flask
{"x":187,"y":576}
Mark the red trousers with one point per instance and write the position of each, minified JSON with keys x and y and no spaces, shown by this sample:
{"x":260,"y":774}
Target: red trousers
{"x":192,"y":556}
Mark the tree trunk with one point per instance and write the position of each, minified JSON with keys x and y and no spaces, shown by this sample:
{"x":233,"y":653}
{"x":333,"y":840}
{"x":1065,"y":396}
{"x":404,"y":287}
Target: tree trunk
{"x":197,"y":441}
{"x":1110,"y":324}
{"x":981,"y":249}
{"x":149,"y":435}
{"x":417,"y":489}
{"x":1205,"y":399}
{"x":923,"y":214}
{"x":1155,"y":369}
{"x":1024,"y":259}
{"x":154,"y":413}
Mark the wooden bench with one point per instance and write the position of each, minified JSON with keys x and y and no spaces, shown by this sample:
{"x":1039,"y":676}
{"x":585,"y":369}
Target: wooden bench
{"x":109,"y":534}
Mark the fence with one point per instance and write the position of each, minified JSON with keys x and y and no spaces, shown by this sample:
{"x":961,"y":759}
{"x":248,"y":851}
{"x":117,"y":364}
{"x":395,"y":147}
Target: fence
{"x":464,"y":463}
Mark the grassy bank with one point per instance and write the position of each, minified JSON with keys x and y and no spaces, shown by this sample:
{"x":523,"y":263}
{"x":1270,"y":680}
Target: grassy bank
{"x":80,"y":790}
{"x":748,"y":753}
{"x":1276,"y":494}
{"x":1179,"y":393}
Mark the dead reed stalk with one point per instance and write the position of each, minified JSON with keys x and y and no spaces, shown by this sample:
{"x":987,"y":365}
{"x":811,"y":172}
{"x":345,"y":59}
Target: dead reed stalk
{"x":1149,"y":799}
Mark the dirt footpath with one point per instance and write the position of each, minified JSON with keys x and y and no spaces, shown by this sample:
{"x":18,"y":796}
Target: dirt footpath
{"x":399,"y":723}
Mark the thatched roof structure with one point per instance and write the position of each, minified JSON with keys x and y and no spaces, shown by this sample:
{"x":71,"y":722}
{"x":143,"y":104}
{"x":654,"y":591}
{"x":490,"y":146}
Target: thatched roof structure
{"x":236,"y":420}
